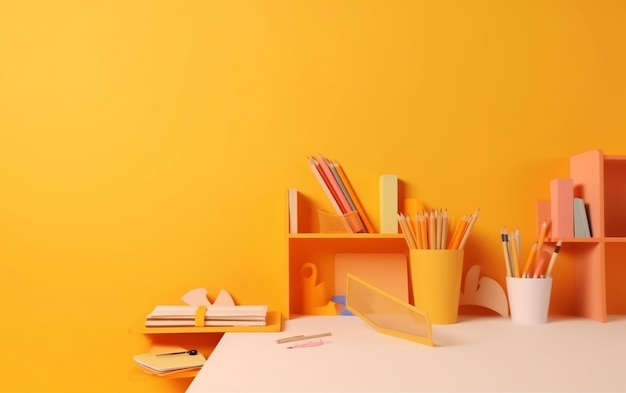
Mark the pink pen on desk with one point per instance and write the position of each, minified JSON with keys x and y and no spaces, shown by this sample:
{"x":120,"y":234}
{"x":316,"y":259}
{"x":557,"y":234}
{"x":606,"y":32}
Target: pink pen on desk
{"x":313,"y":343}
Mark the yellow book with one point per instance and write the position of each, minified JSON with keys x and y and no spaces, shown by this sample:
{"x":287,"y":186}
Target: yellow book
{"x":388,"y":203}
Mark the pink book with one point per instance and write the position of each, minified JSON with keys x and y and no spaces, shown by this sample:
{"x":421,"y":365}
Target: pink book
{"x":316,"y":172}
{"x":562,"y":207}
{"x":342,"y":201}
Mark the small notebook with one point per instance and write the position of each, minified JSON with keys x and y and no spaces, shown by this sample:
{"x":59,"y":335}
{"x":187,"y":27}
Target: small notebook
{"x":163,"y":364}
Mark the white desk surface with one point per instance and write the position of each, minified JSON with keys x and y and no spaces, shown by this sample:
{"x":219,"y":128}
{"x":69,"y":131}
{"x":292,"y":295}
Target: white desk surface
{"x":477,"y":354}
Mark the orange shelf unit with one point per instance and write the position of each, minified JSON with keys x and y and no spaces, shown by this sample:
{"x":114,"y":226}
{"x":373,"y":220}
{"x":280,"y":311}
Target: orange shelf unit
{"x":599,"y":261}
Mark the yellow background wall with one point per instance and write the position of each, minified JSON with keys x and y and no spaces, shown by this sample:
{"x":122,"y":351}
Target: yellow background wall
{"x":146,"y":146}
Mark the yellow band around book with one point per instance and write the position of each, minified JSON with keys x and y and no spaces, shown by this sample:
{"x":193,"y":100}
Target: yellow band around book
{"x":200,"y":313}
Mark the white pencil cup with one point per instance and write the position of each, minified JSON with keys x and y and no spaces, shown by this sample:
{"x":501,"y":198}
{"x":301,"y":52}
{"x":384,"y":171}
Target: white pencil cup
{"x":529,"y":299}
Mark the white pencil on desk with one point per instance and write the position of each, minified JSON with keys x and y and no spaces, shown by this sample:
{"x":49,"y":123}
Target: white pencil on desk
{"x":301,"y":337}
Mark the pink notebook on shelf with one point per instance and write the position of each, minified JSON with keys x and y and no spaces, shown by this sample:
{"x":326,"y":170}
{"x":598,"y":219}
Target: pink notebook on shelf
{"x":386,"y":271}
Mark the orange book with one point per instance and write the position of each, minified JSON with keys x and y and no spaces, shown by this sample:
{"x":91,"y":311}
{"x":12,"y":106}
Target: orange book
{"x":561,"y":208}
{"x":355,"y":200}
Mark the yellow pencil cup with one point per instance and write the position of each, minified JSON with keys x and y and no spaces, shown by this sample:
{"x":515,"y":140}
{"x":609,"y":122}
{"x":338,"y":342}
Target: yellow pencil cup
{"x":436,"y":283}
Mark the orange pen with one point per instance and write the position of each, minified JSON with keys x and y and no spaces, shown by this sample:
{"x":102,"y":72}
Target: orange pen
{"x":529,"y":261}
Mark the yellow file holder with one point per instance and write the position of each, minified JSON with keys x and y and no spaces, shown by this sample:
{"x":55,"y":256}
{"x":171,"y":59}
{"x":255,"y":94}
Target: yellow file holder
{"x":436,"y":283}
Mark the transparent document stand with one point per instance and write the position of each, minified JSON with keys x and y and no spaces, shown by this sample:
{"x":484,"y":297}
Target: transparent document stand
{"x":386,"y":313}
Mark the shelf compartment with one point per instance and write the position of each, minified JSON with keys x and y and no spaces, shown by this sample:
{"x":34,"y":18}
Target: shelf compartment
{"x":589,"y":280}
{"x":615,"y":272}
{"x":614,"y":196}
{"x":587,"y":170}
{"x":320,"y":249}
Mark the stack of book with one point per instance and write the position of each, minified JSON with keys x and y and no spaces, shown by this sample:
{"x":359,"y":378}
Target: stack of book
{"x":180,"y":316}
{"x":340,"y":193}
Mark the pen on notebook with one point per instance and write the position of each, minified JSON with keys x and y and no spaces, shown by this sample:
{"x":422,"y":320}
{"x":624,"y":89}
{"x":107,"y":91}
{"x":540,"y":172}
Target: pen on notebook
{"x":189,"y":352}
{"x":555,"y":254}
{"x":301,"y":337}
